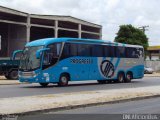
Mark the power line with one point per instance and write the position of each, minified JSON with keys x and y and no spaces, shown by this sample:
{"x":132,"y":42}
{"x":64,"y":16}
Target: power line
{"x":144,"y":28}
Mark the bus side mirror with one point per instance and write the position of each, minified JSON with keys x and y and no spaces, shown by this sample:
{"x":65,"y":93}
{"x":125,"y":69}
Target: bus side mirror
{"x":15,"y":53}
{"x":39,"y":52}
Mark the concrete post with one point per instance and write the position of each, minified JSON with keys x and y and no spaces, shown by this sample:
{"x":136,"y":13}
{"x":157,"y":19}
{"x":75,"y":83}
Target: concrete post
{"x":159,"y":54}
{"x":28,"y":27}
{"x":79,"y":31}
{"x":100,"y":34}
{"x":150,"y":56}
{"x":56,"y":29}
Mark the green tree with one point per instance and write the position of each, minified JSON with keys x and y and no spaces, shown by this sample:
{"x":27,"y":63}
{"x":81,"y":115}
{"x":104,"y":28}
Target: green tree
{"x":131,"y":35}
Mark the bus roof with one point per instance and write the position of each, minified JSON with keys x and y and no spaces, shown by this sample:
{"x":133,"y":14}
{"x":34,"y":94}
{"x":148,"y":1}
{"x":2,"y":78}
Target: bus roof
{"x":47,"y":41}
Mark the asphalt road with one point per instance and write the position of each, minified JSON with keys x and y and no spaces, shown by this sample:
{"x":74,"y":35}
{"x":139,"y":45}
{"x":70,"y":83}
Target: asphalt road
{"x":145,"y":106}
{"x":7,"y":91}
{"x":140,"y":109}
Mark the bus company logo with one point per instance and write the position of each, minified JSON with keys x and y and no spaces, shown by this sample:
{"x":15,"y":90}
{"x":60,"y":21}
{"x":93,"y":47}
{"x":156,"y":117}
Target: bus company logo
{"x":81,"y":61}
{"x":107,"y":68}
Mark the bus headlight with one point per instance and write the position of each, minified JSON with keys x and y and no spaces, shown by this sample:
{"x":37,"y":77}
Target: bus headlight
{"x":19,"y":74}
{"x":34,"y":74}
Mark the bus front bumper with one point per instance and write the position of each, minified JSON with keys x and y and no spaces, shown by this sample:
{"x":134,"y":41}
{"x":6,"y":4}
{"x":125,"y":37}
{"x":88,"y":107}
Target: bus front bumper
{"x":31,"y":77}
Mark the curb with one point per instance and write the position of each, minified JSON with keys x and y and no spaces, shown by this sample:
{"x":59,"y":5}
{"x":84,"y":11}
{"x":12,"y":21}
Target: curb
{"x":12,"y":84}
{"x":9,"y":83}
{"x":151,"y":76}
{"x":79,"y":106}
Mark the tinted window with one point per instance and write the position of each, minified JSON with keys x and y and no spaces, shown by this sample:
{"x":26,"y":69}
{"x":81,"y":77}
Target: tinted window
{"x":84,"y":50}
{"x":141,"y":52}
{"x":66,"y":51}
{"x":106,"y":51}
{"x":132,"y":52}
{"x":109,"y":51}
{"x":69,"y":50}
{"x":97,"y":51}
{"x":55,"y":49}
{"x":112,"y":51}
{"x":120,"y":51}
{"x":73,"y":49}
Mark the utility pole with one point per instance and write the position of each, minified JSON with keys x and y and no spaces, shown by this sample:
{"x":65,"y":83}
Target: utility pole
{"x":144,"y":28}
{"x":0,"y":41}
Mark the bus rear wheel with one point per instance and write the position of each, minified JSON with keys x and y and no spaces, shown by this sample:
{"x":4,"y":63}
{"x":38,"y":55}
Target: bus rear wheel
{"x":128,"y":77}
{"x":120,"y":78}
{"x":63,"y":80}
{"x":44,"y":84}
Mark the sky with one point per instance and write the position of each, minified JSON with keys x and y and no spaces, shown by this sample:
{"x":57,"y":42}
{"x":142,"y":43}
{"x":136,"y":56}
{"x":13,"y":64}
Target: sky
{"x":108,"y":13}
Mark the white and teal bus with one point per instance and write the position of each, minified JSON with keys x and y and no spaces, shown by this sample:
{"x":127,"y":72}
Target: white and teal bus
{"x":60,"y":60}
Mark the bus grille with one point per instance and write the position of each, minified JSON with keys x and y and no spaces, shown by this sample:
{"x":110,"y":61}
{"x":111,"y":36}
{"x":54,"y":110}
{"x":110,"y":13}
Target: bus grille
{"x":27,"y":74}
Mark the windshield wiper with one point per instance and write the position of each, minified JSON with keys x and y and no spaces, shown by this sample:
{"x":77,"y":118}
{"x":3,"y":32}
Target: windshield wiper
{"x":26,"y":62}
{"x":30,"y":64}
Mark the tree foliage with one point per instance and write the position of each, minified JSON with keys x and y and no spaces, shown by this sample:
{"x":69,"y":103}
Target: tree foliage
{"x":131,"y":35}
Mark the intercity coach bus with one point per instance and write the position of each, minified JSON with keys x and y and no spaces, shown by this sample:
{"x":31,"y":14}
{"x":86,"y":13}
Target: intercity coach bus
{"x":60,"y":60}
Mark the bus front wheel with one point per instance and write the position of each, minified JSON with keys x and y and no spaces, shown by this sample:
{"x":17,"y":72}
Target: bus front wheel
{"x":63,"y":80}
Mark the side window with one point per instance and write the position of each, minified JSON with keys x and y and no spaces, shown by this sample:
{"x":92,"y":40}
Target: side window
{"x":84,"y":50}
{"x":97,"y":51}
{"x":69,"y":50}
{"x":120,"y":51}
{"x":73,"y":49}
{"x":55,"y":49}
{"x":112,"y":51}
{"x":106,"y":51}
{"x":129,"y":52}
{"x":66,"y":51}
{"x":139,"y":52}
{"x":132,"y":52}
{"x":109,"y":51}
{"x":51,"y":57}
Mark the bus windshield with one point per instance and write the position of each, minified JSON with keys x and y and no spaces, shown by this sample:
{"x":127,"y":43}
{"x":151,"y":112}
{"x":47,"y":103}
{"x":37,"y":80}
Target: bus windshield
{"x":28,"y":59}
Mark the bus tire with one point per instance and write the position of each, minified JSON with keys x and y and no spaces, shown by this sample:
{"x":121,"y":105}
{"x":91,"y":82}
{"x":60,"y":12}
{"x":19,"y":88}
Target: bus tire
{"x":44,"y":84}
{"x":128,"y":77}
{"x":121,"y":77}
{"x":13,"y":75}
{"x":63,"y":80}
{"x":102,"y":81}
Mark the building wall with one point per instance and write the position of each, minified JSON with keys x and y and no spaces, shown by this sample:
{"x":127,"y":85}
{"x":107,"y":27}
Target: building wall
{"x":153,"y":53}
{"x":16,"y":38}
{"x":17,"y":28}
{"x":153,"y":64}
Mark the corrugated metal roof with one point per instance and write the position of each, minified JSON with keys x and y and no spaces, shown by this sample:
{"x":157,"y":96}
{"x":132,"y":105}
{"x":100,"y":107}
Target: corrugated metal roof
{"x":18,"y":12}
{"x":153,"y":48}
